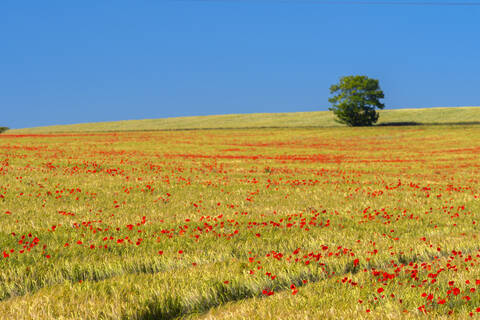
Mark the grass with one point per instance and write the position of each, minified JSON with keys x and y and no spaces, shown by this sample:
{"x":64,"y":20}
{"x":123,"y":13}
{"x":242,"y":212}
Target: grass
{"x":465,"y":115}
{"x":303,"y":223}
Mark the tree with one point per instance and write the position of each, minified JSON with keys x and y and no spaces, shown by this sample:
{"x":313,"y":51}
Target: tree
{"x":3,"y":129}
{"x":355,"y":100}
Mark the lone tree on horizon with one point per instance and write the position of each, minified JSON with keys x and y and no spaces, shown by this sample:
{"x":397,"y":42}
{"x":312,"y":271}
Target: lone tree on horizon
{"x":355,"y":100}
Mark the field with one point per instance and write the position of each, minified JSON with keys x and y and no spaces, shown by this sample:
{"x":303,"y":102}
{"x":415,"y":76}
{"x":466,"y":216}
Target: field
{"x":317,"y":119}
{"x":299,"y":223}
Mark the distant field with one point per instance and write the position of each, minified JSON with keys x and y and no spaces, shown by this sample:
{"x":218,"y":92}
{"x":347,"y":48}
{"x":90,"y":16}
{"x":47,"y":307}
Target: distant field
{"x":268,"y":120}
{"x":322,"y":223}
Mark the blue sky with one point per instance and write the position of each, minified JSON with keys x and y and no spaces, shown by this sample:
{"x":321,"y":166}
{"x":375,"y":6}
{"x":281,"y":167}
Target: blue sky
{"x":86,"y":61}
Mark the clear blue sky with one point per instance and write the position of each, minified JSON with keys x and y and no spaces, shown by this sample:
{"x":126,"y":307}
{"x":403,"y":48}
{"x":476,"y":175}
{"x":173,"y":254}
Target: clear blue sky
{"x":86,"y":61}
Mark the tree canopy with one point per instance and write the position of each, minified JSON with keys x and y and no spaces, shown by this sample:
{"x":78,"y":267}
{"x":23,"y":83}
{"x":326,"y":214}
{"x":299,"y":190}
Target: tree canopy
{"x":355,"y":99}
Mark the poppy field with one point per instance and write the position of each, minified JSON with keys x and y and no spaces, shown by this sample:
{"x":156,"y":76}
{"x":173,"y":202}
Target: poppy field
{"x":305,"y":223}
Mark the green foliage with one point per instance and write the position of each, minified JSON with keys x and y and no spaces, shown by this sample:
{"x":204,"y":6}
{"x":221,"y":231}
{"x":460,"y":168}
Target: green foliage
{"x":3,"y":129}
{"x":355,"y":100}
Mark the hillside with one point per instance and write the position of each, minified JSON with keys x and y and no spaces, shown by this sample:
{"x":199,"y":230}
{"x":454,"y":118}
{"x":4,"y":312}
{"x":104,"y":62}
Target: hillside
{"x":452,"y":115}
